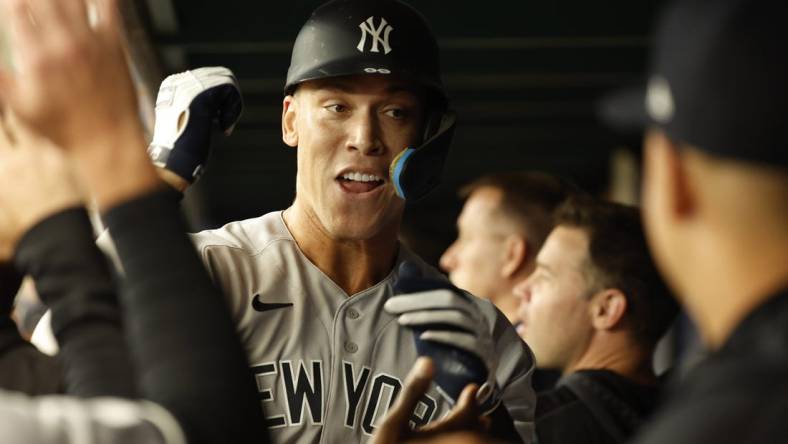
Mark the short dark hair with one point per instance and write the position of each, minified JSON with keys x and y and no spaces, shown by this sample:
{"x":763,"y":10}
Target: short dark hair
{"x":619,"y":258}
{"x":530,"y":198}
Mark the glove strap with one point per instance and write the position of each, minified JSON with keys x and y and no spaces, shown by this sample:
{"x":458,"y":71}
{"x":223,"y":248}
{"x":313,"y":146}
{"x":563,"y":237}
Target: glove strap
{"x":490,"y":398}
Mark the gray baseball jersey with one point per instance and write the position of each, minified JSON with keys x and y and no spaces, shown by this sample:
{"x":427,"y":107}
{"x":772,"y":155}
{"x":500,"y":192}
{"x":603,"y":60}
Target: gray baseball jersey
{"x":328,"y":365}
{"x":71,"y":420}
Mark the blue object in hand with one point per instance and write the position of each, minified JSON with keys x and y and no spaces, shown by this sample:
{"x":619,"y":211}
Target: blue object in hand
{"x":454,"y":368}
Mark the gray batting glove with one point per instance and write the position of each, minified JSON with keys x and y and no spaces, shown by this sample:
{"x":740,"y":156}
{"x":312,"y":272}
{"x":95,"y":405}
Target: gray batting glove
{"x":446,"y":317}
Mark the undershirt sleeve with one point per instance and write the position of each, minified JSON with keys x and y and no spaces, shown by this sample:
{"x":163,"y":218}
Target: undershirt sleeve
{"x":180,"y":332}
{"x":73,"y":278}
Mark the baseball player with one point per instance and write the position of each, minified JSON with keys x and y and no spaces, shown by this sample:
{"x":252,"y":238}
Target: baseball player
{"x":330,"y":326}
{"x":312,"y":288}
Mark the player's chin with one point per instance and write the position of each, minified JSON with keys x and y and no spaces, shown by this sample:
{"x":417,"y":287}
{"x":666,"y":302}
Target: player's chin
{"x":357,"y":229}
{"x":356,"y":226}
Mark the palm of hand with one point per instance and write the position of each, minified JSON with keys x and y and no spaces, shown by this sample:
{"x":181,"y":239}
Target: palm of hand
{"x":35,"y":182}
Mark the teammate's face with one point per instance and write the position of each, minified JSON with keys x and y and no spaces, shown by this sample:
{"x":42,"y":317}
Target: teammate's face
{"x":475,"y":260}
{"x":554,"y":307}
{"x":348,"y":130}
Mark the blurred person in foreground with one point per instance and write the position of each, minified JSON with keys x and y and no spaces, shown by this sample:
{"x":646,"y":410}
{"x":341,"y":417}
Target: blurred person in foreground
{"x":715,"y":195}
{"x":189,"y":365}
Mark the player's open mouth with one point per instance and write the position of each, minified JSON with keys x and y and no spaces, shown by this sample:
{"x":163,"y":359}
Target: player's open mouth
{"x":357,"y":182}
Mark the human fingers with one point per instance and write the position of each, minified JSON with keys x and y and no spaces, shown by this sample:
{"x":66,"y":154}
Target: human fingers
{"x":17,"y":19}
{"x":108,"y":21}
{"x":464,"y":416}
{"x":74,"y":17}
{"x":397,"y":419}
{"x":6,"y":139}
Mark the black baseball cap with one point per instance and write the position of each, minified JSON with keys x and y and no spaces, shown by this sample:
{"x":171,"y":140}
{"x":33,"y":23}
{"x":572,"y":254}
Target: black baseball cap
{"x":718,"y":80}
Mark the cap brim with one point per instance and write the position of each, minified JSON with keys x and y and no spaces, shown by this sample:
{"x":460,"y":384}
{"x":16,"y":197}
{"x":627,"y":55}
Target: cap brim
{"x":625,"y":110}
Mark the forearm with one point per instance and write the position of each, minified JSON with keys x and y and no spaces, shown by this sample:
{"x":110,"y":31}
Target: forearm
{"x":73,"y":278}
{"x":117,"y":174}
{"x":180,"y":331}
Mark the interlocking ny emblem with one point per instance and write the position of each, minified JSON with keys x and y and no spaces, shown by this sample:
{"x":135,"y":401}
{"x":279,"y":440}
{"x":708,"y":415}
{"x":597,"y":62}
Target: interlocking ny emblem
{"x":368,"y":27}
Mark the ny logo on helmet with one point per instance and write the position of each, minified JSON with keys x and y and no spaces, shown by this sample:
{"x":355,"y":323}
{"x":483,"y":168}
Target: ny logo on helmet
{"x":368,"y":27}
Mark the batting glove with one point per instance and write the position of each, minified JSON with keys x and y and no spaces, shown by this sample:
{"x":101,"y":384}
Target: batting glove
{"x":449,"y":329}
{"x":187,"y":106}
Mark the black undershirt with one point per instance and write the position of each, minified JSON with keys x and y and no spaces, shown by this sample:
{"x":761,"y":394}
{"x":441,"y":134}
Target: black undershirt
{"x":73,"y":278}
{"x":179,"y":333}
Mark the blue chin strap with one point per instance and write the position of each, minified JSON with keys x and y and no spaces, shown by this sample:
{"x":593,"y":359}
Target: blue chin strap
{"x":416,"y":171}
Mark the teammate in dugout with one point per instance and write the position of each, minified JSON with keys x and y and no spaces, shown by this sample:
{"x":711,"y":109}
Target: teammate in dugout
{"x":311,"y":287}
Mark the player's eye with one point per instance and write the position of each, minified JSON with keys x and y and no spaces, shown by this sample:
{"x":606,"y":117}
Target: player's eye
{"x":396,"y":113}
{"x":336,"y":108}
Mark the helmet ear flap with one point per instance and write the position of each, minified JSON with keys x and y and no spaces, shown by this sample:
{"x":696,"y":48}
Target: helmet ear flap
{"x":417,"y":171}
{"x":432,"y":125}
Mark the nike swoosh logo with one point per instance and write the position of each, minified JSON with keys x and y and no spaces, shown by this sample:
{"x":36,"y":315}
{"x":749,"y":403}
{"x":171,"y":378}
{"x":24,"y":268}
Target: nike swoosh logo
{"x":261,"y":306}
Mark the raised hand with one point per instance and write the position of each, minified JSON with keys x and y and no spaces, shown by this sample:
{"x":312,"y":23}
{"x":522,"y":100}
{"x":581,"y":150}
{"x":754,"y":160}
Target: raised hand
{"x":71,"y":84}
{"x":36,"y":181}
{"x":62,"y":61}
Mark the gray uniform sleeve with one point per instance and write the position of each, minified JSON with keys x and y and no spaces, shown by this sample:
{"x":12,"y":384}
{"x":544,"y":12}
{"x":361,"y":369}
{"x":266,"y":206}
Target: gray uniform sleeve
{"x":515,"y":367}
{"x":67,"y":420}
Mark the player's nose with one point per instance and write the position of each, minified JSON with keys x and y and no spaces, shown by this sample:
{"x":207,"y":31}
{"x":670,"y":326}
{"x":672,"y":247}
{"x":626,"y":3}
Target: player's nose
{"x":522,"y":291}
{"x":448,"y":260}
{"x":364,"y":135}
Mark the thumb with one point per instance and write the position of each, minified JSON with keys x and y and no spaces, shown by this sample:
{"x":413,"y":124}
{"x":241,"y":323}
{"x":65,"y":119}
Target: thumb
{"x":397,"y":419}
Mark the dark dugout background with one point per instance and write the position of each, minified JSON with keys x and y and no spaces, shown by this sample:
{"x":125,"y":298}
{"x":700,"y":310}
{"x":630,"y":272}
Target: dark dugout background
{"x":523,"y":75}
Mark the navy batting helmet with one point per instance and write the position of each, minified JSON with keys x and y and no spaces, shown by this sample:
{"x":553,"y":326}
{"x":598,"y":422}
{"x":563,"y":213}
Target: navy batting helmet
{"x":381,"y":37}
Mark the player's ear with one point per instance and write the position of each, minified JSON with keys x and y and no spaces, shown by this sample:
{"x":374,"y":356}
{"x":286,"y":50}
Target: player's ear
{"x":608,"y":308}
{"x":515,"y":251}
{"x":667,"y":171}
{"x":289,"y":130}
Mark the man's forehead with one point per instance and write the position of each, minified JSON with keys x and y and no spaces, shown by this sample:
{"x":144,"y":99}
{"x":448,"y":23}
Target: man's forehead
{"x":480,"y":205}
{"x":565,"y":246}
{"x":484,"y":200}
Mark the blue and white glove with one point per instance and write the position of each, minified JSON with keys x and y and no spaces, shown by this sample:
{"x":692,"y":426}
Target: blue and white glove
{"x":187,"y":106}
{"x":450,"y":329}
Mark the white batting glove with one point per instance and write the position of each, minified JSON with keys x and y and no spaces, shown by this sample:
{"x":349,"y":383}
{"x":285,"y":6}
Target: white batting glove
{"x":188,"y":105}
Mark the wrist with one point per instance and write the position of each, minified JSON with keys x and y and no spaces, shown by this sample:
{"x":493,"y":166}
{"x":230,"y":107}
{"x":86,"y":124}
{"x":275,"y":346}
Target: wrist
{"x":175,"y":181}
{"x":116,"y":167}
